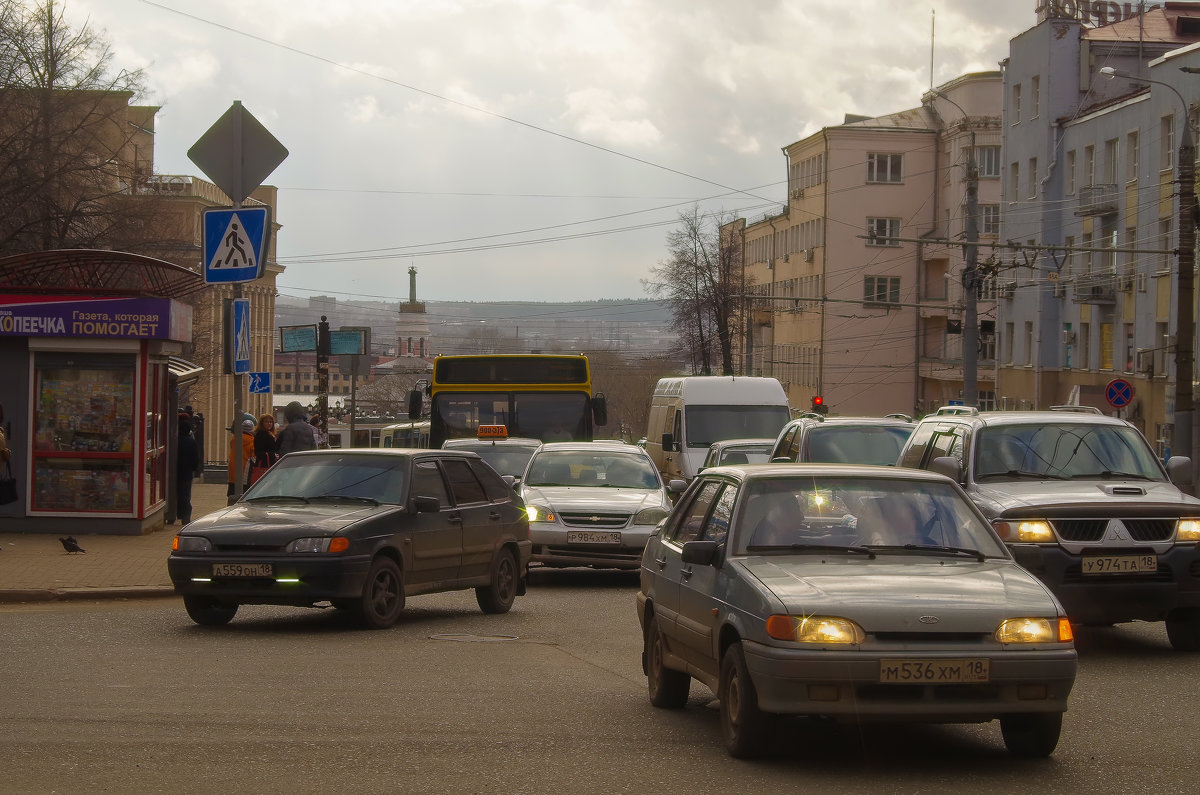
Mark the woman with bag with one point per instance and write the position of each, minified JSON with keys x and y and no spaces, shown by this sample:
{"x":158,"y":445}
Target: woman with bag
{"x":266,"y":448}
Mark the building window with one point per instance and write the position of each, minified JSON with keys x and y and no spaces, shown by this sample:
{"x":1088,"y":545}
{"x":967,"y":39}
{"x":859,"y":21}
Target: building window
{"x":987,"y":400}
{"x":1014,"y":182}
{"x":1112,"y":161}
{"x":881,"y":290}
{"x":1084,"y":341}
{"x":883,"y":231}
{"x":1033,"y":177}
{"x":1131,"y":157}
{"x":989,"y":219}
{"x":1071,"y":173}
{"x":1035,"y":96}
{"x":1016,"y":104}
{"x":884,"y":168}
{"x":1008,"y":343}
{"x":1029,"y":343}
{"x":987,"y":159}
{"x":1166,"y":228}
{"x":1166,"y":143}
{"x":1089,"y":166}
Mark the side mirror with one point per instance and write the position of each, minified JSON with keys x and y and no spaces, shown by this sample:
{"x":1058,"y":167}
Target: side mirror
{"x":599,"y":409}
{"x":703,"y":553}
{"x":947,"y":465}
{"x":1179,"y":469}
{"x":415,"y":404}
{"x":668,"y":443}
{"x":677,"y":486}
{"x":426,"y":504}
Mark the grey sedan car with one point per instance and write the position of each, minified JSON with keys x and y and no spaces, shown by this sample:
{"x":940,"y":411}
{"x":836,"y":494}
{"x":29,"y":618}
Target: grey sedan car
{"x":855,"y":593}
{"x":361,"y":530}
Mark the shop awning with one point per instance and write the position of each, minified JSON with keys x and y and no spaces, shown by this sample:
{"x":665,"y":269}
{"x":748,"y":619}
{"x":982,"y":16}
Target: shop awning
{"x":184,"y":371}
{"x":96,"y":272}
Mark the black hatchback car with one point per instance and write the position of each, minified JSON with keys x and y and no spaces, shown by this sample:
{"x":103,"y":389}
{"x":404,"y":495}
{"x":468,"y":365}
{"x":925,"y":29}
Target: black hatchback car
{"x":358,"y":529}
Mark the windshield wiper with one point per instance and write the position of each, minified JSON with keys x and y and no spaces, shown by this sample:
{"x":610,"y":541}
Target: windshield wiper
{"x":1021,"y":473}
{"x":975,"y":553}
{"x":810,"y":548}
{"x":276,"y":498}
{"x":345,"y":498}
{"x":1111,"y":473}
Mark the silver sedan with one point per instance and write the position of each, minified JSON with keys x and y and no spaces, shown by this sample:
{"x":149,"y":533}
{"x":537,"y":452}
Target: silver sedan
{"x":854,"y":593}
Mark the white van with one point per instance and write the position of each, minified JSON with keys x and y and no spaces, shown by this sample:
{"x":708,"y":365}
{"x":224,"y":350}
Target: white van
{"x":688,"y":414}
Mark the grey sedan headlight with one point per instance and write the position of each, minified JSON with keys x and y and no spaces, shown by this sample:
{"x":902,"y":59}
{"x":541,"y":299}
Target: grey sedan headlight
{"x":191,"y":544}
{"x":650,"y":516}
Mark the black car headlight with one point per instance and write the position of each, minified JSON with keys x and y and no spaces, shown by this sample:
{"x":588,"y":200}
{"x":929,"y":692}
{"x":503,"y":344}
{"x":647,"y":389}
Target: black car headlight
{"x":191,"y":544}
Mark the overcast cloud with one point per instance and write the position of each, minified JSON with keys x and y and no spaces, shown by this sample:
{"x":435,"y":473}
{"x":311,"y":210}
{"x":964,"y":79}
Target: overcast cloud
{"x":527,"y":149}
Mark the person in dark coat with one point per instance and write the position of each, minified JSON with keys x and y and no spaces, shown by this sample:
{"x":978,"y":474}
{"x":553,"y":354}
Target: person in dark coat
{"x":187,"y":463}
{"x":297,"y":434}
{"x":266,"y":447}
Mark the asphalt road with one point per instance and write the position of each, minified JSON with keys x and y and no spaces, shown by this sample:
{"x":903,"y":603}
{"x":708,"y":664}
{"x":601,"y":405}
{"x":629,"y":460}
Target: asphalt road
{"x":130,"y":696}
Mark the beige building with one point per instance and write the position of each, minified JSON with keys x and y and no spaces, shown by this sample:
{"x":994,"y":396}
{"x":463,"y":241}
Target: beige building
{"x":854,"y":293}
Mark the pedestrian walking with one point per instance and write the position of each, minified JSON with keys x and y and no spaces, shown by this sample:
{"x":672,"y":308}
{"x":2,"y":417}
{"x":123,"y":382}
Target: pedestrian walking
{"x":187,"y":463}
{"x":297,"y":434}
{"x":247,"y":444}
{"x":266,"y":447}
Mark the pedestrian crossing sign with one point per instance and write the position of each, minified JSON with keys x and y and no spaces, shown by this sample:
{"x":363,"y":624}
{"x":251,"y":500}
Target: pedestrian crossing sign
{"x":235,"y":243}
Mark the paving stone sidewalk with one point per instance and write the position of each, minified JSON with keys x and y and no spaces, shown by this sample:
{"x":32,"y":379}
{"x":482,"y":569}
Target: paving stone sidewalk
{"x":35,"y":567}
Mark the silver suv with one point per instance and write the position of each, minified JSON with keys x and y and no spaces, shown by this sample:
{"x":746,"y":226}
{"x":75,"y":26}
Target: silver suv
{"x":1084,"y":504}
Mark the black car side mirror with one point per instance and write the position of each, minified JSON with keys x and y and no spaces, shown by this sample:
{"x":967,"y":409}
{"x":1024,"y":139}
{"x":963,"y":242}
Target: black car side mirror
{"x":426,"y":504}
{"x":703,"y":553}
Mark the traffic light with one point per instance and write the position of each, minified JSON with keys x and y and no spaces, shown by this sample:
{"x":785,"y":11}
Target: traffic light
{"x":818,"y":405}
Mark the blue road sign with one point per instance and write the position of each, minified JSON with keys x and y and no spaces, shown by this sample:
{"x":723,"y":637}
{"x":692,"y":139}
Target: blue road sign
{"x":260,"y":383}
{"x":235,"y":244}
{"x":1119,"y":393}
{"x":241,"y":335}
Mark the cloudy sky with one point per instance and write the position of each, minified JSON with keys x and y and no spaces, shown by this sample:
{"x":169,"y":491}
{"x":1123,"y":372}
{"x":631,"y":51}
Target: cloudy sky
{"x":527,"y":149}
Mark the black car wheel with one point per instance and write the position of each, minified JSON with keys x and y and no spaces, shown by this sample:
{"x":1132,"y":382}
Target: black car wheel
{"x":498,"y":595}
{"x":1183,"y":628}
{"x":208,"y":612}
{"x":1033,"y":734}
{"x":744,"y":727}
{"x":668,"y":687}
{"x":383,"y":595}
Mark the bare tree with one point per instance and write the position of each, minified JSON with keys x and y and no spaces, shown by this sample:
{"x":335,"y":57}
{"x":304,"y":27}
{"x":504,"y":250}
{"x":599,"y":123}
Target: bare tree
{"x":703,"y":281}
{"x":72,"y":149}
{"x":627,"y":386}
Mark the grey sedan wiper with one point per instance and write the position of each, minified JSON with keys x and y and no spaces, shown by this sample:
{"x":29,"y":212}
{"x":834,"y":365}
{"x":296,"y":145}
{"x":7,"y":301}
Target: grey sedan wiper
{"x":975,"y":553}
{"x":345,"y":498}
{"x":810,"y":548}
{"x":277,"y":498}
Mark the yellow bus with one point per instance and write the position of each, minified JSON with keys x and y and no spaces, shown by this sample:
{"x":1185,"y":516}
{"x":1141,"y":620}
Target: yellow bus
{"x":540,"y":396}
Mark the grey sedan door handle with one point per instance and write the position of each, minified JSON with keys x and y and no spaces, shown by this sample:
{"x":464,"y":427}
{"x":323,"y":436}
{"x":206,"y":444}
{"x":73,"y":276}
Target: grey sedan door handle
{"x":495,"y":515}
{"x":685,"y":573}
{"x":662,"y":562}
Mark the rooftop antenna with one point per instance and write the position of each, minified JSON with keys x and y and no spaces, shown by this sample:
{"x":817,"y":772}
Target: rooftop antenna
{"x":932,"y":31}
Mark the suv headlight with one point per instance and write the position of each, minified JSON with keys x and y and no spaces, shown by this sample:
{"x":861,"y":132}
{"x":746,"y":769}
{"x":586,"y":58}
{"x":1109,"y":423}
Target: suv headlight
{"x":1033,"y":531}
{"x":191,"y":544}
{"x":1187,"y":530}
{"x":650,"y":515}
{"x":541,"y":513}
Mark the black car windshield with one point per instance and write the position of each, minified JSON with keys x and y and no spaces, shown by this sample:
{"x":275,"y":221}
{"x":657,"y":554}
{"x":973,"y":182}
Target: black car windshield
{"x":382,"y":478}
{"x":1062,"y":451}
{"x":578,"y":468}
{"x":856,"y":444}
{"x":777,"y":513}
{"x":708,"y":424}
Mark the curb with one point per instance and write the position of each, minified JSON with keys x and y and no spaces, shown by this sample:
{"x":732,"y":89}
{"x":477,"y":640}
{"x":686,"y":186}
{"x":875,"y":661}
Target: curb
{"x":18,"y":595}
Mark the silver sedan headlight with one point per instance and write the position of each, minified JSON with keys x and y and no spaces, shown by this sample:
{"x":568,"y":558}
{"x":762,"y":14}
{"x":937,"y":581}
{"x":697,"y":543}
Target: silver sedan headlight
{"x":541,"y":513}
{"x":650,"y":515}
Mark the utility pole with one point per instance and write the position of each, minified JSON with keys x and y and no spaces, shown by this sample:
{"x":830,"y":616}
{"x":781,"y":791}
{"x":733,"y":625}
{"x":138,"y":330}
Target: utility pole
{"x":970,"y":278}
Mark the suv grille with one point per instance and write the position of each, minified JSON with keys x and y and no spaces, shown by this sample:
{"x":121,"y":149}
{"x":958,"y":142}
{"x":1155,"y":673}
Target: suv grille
{"x":1092,"y":530}
{"x":599,"y":521}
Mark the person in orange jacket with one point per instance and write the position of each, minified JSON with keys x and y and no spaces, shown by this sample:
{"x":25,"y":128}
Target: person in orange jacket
{"x":247,"y":453}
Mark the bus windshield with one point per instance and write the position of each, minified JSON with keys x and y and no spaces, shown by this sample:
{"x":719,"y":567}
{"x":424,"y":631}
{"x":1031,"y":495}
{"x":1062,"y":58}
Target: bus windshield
{"x":549,"y":416}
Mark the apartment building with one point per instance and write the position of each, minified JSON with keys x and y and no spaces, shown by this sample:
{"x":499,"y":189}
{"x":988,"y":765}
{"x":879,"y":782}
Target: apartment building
{"x":1088,"y":293}
{"x":857,"y":280}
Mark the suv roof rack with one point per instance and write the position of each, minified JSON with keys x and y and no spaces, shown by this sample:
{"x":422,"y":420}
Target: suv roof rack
{"x":1078,"y":409}
{"x":895,"y":415}
{"x":950,"y":410}
{"x":809,"y":415}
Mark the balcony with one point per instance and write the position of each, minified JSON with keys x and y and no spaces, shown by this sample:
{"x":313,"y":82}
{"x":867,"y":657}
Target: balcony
{"x":1097,"y":200}
{"x":1095,"y":289}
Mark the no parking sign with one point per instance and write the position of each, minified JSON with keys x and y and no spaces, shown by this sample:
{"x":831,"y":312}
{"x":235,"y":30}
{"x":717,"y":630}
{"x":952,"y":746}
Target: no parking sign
{"x":1118,"y":393}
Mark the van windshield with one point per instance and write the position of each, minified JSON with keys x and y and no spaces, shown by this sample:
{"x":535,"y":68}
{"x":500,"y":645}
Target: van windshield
{"x":708,"y":424}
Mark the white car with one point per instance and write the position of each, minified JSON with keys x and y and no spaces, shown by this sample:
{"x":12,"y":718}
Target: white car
{"x":593,"y":503}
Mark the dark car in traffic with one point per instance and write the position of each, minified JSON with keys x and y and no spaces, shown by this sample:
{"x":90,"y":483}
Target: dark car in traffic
{"x":817,"y":439}
{"x":361,"y":530}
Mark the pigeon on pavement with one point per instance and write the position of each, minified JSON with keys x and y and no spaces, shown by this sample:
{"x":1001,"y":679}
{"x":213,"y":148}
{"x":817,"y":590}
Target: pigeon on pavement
{"x":71,"y":545}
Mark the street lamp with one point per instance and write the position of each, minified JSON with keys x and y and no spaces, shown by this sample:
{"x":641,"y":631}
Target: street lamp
{"x":970,"y":274}
{"x":1185,"y":330}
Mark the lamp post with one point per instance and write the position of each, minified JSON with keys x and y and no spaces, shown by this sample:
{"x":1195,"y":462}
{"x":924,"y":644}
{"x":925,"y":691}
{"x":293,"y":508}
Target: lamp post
{"x":970,"y":274}
{"x":1185,"y":323}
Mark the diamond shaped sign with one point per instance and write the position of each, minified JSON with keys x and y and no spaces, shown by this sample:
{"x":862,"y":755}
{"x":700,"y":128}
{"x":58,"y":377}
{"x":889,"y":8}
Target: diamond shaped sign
{"x":237,"y":153}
